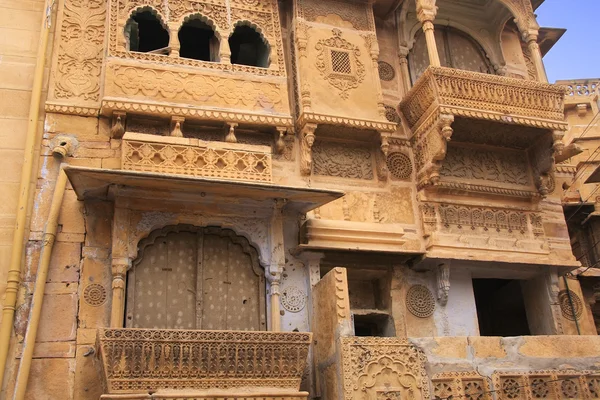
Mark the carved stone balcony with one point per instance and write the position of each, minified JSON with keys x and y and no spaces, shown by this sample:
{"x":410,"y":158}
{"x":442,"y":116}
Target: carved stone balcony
{"x":193,"y":157}
{"x":506,"y":118}
{"x":202,"y":364}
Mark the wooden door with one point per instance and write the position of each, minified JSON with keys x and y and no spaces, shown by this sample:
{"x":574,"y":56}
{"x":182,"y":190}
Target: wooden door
{"x":196,"y":280}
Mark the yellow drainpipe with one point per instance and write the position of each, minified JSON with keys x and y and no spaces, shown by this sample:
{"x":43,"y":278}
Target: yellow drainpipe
{"x":14,"y":271}
{"x":40,"y":285}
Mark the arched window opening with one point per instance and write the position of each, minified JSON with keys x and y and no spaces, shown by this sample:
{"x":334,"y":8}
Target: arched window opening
{"x":248,"y":47}
{"x":455,"y":49}
{"x":198,"y":41}
{"x":145,"y":33}
{"x":187,"y":277}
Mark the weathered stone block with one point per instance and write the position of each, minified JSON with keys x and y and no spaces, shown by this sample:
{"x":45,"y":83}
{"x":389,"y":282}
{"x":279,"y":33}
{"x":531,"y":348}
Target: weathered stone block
{"x":58,"y":321}
{"x":44,"y":382}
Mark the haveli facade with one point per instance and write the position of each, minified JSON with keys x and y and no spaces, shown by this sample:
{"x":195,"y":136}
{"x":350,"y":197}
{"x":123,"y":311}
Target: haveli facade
{"x":264,"y":199}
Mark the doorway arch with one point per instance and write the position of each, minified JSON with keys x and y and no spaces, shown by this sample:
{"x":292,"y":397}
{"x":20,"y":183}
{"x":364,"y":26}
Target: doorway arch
{"x":188,"y":277}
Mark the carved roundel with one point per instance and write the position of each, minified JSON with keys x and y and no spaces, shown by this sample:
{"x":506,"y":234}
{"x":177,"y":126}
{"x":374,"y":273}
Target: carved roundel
{"x":391,"y":114}
{"x":386,"y":71}
{"x":565,"y":305}
{"x":95,"y":294}
{"x":399,"y":165}
{"x":293,"y":299}
{"x":420,"y":301}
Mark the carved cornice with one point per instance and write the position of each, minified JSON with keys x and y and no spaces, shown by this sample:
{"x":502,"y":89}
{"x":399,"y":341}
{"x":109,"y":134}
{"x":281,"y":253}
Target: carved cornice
{"x":377,"y":125}
{"x":487,"y":189}
{"x":484,"y":96}
{"x":198,"y":113}
{"x":72,"y":110}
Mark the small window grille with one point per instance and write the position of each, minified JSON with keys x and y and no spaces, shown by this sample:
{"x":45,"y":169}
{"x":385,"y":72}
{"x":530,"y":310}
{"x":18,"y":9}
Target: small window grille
{"x":340,"y":62}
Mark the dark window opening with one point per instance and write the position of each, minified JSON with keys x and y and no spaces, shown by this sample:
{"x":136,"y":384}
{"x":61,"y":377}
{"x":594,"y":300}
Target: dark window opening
{"x":248,"y":48}
{"x":373,"y":325}
{"x":500,"y":307}
{"x":198,"y":41}
{"x":145,"y":33}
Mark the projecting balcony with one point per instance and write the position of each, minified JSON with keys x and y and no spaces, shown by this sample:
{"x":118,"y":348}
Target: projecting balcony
{"x":197,"y":158}
{"x":198,"y":364}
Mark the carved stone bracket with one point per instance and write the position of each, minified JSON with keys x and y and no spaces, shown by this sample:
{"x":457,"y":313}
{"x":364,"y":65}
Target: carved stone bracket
{"x":307,"y":139}
{"x":230,"y":137}
{"x":176,"y":124}
{"x":279,"y":139}
{"x":118,"y":124}
{"x":430,"y":150}
{"x":443,"y":282}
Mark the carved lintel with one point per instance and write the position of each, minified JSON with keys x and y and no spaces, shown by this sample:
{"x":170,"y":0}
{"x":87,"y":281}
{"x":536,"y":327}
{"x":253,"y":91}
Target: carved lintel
{"x":306,"y":142}
{"x":230,"y":137}
{"x":118,"y":124}
{"x":176,"y":124}
{"x":279,"y":139}
{"x":443,"y":282}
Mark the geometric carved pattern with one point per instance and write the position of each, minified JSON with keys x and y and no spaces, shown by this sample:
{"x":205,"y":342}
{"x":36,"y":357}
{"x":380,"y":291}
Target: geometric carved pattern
{"x":556,"y":385}
{"x":386,"y":71}
{"x":94,"y":294}
{"x":399,"y":165}
{"x":293,"y":299}
{"x":342,"y":160}
{"x":488,"y":219}
{"x":373,"y":365}
{"x":357,"y":14}
{"x":461,"y":385}
{"x":145,"y":360}
{"x":339,"y":64}
{"x":420,"y":301}
{"x":571,"y":313}
{"x":198,"y":161}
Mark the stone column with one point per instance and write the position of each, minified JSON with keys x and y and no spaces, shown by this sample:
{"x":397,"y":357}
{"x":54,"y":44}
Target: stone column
{"x":277,"y":262}
{"x":119,"y":266}
{"x":404,"y":71}
{"x":426,"y":12}
{"x":174,"y":40}
{"x":530,"y":38}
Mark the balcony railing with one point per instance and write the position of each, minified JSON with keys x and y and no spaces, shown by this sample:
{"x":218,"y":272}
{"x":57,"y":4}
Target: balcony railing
{"x":581,"y":87}
{"x":477,"y":95}
{"x":147,"y":360}
{"x":193,"y":157}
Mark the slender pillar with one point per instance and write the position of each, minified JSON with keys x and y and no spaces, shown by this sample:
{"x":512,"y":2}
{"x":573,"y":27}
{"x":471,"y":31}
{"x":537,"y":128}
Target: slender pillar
{"x":120,"y":265}
{"x":277,"y":262}
{"x":404,"y":72}
{"x":536,"y":55}
{"x":426,"y":12}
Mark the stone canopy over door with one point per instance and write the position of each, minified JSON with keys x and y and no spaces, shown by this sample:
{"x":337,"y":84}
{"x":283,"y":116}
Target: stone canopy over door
{"x":196,"y":278}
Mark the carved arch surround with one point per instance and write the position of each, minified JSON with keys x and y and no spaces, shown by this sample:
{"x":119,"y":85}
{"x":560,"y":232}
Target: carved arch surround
{"x":199,"y":16}
{"x":254,"y":230}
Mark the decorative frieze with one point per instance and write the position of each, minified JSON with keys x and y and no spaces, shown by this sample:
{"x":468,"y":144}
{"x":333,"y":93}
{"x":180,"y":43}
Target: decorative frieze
{"x":357,"y":15}
{"x":343,"y":160}
{"x":184,"y":156}
{"x":467,"y":385}
{"x":142,"y":360}
{"x":557,"y":385}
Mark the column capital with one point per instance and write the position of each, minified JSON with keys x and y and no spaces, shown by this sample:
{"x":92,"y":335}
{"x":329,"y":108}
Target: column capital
{"x":426,"y":10}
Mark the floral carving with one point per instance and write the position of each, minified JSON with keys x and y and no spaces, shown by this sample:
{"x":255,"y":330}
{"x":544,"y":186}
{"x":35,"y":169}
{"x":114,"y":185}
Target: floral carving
{"x":467,"y":385}
{"x":420,"y":301}
{"x":399,"y":165}
{"x":79,"y":62}
{"x":342,"y":160}
{"x":339,"y":64}
{"x":357,"y":14}
{"x":570,"y":305}
{"x":386,"y":71}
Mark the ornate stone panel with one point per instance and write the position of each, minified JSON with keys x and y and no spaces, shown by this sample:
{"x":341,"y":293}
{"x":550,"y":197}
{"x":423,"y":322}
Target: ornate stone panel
{"x":77,"y":62}
{"x":420,"y":301}
{"x":142,"y":360}
{"x":565,"y":299}
{"x":350,"y":14}
{"x":343,"y":160}
{"x":485,"y":165}
{"x":468,"y":385}
{"x":373,"y":366}
{"x":551,"y":384}
{"x":185,"y":156}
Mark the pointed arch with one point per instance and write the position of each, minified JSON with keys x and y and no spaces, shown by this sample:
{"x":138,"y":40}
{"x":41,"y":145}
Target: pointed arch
{"x":146,"y":30}
{"x":249,"y":46}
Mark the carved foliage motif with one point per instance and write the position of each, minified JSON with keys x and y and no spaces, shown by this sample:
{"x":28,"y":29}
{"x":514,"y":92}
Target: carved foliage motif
{"x":79,"y":63}
{"x":342,"y":160}
{"x":339,"y":63}
{"x":182,"y":86}
{"x":150,"y":359}
{"x":556,"y":385}
{"x":372,"y":365}
{"x":196,"y":161}
{"x":480,"y":164}
{"x":357,"y":14}
{"x":486,"y":218}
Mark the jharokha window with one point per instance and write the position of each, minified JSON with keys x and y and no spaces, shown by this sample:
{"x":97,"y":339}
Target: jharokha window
{"x":146,"y":33}
{"x":455,"y":48}
{"x":196,"y":278}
